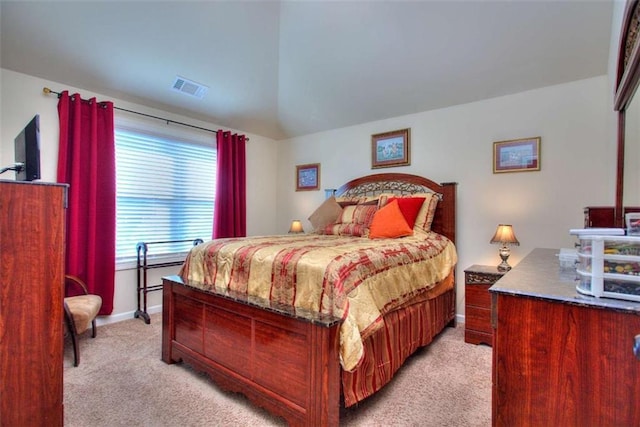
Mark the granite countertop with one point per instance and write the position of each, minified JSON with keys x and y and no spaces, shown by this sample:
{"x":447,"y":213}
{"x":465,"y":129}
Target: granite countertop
{"x":539,"y":275}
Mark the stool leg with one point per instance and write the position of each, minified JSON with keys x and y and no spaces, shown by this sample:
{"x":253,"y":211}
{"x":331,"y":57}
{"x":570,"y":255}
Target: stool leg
{"x":76,"y":350}
{"x":74,"y":336}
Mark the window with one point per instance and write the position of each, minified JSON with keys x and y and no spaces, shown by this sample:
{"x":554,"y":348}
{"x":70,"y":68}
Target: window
{"x":165,"y":191}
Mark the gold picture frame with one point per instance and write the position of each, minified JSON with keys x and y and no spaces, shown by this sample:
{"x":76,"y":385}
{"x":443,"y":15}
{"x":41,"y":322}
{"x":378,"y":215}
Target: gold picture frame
{"x":516,"y":155}
{"x":390,"y":149}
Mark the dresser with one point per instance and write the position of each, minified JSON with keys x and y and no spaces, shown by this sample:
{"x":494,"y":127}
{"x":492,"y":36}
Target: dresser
{"x":559,"y":357}
{"x":32,"y":239}
{"x":477,"y":307}
{"x":604,"y":216}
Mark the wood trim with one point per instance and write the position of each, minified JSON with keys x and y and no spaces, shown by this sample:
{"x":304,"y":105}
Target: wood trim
{"x":618,"y":212}
{"x":627,"y":80}
{"x":628,"y":76}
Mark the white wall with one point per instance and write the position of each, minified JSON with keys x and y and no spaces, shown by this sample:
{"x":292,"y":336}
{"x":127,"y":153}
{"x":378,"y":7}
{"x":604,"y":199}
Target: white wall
{"x":22,"y":98}
{"x":455,"y":144}
{"x":451,"y":144}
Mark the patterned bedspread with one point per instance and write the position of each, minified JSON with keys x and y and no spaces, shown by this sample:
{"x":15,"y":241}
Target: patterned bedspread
{"x":353,"y":278}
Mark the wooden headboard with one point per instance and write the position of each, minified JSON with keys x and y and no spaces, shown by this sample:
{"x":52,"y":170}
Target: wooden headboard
{"x":444,"y":221}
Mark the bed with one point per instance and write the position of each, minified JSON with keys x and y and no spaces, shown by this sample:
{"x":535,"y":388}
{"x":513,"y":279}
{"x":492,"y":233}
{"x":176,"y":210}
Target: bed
{"x":297,"y":323}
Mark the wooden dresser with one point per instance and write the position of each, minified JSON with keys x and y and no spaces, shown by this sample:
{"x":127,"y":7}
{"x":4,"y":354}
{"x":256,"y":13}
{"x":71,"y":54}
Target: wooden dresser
{"x":560,"y":358}
{"x":32,"y":239}
{"x":604,"y":216}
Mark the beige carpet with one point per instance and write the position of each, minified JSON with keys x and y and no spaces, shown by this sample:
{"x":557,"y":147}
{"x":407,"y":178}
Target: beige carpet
{"x":121,"y":381}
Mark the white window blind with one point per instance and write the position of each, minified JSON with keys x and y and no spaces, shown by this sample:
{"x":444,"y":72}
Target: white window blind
{"x":165,"y":191}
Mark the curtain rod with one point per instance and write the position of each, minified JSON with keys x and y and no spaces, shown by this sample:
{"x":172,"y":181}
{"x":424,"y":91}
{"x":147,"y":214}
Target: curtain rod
{"x":48,"y":91}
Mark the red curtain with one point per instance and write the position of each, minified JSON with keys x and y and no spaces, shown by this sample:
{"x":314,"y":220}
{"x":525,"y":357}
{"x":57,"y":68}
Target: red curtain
{"x":86,"y":161}
{"x":230,"y":213}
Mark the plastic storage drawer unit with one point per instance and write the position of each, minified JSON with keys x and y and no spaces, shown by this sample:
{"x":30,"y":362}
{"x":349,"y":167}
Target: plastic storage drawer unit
{"x":609,"y":266}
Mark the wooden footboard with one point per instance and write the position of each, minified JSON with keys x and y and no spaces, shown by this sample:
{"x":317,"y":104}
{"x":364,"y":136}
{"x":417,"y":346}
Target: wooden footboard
{"x":238,"y":345}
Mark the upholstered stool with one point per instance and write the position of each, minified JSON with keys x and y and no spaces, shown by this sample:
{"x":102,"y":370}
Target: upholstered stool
{"x":80,"y":313}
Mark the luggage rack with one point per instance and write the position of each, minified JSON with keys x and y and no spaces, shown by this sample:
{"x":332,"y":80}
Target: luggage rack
{"x":143,"y":288}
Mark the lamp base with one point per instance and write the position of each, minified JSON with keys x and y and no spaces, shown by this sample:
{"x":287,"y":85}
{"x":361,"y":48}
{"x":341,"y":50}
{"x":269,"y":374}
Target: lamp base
{"x":504,"y":255}
{"x":503,"y":266}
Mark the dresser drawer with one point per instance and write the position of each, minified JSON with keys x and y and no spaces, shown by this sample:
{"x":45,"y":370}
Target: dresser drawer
{"x":478,"y":295}
{"x":478,"y":319}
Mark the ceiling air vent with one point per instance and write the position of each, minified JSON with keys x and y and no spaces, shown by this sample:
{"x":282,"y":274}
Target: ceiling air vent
{"x":189,"y":87}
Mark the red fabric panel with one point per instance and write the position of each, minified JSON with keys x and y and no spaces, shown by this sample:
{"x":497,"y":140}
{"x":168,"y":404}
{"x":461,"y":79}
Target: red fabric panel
{"x":230,"y":212}
{"x":410,"y":207}
{"x":86,"y":161}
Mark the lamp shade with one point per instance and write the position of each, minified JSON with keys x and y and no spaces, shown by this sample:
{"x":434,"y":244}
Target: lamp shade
{"x":505,"y":235}
{"x":296,"y":227}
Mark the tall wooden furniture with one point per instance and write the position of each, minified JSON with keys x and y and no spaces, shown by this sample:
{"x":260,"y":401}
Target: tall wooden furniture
{"x":604,"y":216}
{"x":627,"y":81}
{"x":32,"y":227}
{"x":477,"y":307}
{"x":560,"y":358}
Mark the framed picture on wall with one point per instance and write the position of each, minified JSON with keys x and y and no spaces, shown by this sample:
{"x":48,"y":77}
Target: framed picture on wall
{"x":390,"y":149}
{"x":308,"y":177}
{"x":516,"y":155}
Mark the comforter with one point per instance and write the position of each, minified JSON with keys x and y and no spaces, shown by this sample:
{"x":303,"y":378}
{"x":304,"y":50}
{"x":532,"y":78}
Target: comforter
{"x":355,"y":279}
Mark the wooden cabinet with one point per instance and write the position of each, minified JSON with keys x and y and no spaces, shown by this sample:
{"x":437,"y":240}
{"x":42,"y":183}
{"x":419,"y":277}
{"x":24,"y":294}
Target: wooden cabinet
{"x":560,"y":358}
{"x":32,"y":239}
{"x":603,"y":216}
{"x":599,"y":216}
{"x":477,"y":309}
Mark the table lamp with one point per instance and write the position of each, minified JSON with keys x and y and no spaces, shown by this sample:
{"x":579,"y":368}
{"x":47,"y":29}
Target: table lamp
{"x":296,"y":227}
{"x":505,"y":237}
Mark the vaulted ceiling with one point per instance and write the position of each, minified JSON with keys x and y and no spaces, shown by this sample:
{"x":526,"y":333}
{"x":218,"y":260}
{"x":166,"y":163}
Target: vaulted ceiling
{"x":289,"y":68}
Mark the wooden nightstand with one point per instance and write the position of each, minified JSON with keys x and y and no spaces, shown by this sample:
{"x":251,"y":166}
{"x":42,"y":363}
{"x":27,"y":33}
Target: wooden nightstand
{"x":477,"y":281}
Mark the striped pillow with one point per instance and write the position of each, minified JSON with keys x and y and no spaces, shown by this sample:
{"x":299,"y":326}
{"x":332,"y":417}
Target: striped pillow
{"x":354,"y":221}
{"x":427,"y":212}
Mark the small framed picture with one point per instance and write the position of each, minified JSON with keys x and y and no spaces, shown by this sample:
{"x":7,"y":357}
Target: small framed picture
{"x":390,"y":149}
{"x":308,"y":177}
{"x":516,"y":155}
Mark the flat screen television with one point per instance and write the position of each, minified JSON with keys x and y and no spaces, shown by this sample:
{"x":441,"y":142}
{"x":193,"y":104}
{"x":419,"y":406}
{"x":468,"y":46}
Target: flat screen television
{"x":27,"y":151}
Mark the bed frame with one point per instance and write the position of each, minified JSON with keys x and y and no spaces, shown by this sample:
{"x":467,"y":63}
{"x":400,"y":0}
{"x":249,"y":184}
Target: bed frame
{"x":284,"y":361}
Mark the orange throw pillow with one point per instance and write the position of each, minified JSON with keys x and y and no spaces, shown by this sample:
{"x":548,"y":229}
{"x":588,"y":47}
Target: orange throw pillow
{"x":389,"y":222}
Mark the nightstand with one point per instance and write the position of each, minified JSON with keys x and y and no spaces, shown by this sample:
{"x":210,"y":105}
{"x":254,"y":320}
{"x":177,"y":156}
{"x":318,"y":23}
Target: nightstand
{"x":477,"y":324}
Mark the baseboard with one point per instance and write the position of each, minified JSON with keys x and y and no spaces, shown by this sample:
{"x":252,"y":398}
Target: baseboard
{"x":459,"y":319}
{"x":105,"y":320}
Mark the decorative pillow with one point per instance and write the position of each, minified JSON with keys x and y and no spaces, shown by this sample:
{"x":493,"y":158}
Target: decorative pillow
{"x":409,"y":206}
{"x":354,"y":221}
{"x":357,"y":214}
{"x":389,"y":222}
{"x":356,"y":230}
{"x":349,"y":201}
{"x":327,"y":213}
{"x":426,"y":213}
